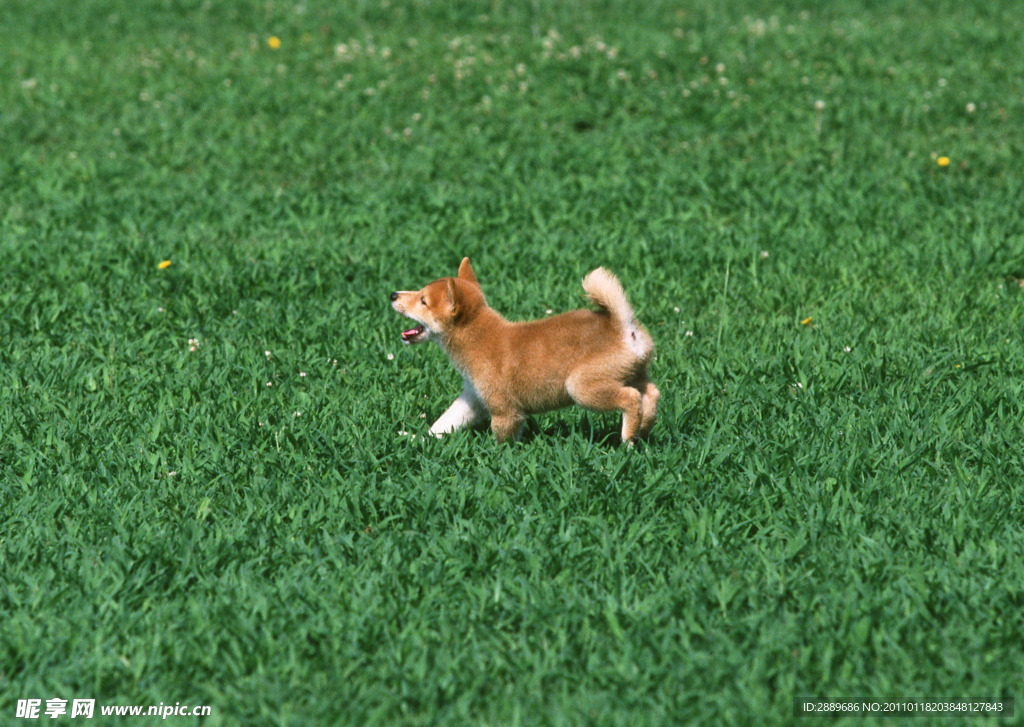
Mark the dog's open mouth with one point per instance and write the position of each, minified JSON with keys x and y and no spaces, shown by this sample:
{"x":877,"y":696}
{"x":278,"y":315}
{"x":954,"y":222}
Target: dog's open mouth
{"x":413,"y":334}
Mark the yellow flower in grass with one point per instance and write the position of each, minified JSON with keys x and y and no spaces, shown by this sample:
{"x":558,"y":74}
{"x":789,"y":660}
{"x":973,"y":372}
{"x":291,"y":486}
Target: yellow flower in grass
{"x":806,"y":321}
{"x":274,"y":42}
{"x":164,"y":265}
{"x":942,"y":161}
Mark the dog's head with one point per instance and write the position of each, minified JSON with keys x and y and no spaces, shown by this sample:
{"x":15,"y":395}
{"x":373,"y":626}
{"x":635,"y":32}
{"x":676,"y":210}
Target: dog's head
{"x":440,"y":306}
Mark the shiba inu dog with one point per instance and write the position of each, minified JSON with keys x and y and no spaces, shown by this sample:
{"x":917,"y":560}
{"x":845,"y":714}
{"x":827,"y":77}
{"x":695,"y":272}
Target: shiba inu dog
{"x":595,"y":358}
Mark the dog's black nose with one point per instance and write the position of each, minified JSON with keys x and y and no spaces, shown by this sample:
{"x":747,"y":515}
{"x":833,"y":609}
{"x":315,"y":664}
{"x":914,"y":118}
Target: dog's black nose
{"x":394,"y":297}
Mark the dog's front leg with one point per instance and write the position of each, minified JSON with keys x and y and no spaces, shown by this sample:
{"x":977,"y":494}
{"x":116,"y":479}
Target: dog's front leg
{"x":467,"y":409}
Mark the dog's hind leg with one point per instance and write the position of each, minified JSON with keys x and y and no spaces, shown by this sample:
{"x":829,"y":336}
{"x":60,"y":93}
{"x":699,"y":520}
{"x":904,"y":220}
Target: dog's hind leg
{"x":597,"y":392}
{"x":649,"y":396}
{"x":466,"y":410}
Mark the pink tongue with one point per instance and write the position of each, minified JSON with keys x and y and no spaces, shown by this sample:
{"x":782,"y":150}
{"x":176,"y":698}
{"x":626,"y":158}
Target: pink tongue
{"x":412,"y":332}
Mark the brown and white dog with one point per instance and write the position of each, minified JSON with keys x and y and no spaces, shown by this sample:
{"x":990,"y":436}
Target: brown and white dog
{"x":595,"y":358}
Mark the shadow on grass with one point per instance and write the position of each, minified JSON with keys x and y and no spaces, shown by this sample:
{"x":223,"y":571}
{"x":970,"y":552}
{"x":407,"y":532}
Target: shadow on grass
{"x":605,"y":431}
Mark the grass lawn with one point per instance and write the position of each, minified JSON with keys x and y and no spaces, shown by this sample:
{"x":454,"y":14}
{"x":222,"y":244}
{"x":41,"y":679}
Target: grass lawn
{"x":815,"y":209}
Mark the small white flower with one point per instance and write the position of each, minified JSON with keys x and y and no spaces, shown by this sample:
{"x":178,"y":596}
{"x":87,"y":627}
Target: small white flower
{"x":391,"y":357}
{"x":302,"y":374}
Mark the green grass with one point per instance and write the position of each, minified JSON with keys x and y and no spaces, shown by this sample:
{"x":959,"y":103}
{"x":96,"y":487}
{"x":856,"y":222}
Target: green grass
{"x":831,"y":503}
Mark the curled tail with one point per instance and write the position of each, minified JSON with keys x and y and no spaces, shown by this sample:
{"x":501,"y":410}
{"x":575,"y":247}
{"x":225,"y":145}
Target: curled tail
{"x":605,"y":291}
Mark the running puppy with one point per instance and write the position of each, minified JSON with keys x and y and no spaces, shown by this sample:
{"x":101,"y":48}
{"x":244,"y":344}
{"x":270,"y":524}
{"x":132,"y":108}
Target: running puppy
{"x":597,"y":359}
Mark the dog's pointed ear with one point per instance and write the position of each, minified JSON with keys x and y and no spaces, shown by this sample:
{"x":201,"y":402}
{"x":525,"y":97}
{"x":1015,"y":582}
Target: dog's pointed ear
{"x":454,"y":295}
{"x":466,"y":272}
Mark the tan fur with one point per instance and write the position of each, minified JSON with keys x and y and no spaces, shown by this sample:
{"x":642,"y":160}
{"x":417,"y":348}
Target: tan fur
{"x":597,"y":359}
